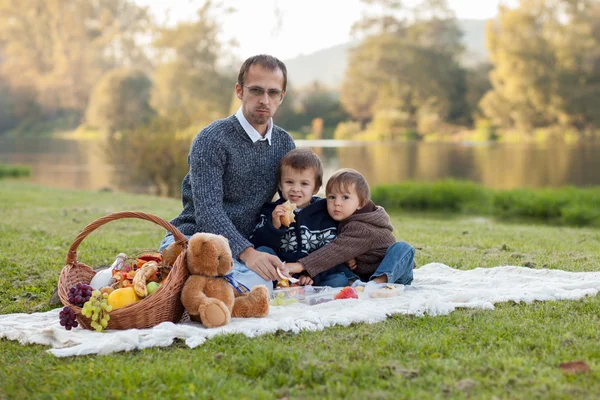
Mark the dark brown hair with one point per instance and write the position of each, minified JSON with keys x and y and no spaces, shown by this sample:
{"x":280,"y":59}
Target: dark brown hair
{"x":265,"y":61}
{"x":343,"y":179}
{"x":302,"y":159}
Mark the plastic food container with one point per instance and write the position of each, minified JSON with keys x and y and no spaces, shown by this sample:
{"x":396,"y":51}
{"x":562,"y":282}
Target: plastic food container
{"x":384,"y":290}
{"x":286,"y":296}
{"x":318,"y":294}
{"x":302,"y":294}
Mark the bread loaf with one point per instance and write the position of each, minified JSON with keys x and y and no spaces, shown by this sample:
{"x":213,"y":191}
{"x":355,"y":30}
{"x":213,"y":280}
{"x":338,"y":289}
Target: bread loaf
{"x":287,"y":218}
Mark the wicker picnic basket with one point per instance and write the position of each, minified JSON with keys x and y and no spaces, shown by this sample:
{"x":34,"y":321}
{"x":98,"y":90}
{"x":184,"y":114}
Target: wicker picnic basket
{"x":163,"y":305}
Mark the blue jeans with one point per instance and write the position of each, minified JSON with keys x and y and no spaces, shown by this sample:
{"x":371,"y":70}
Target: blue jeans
{"x":240,"y":272}
{"x":337,"y":276}
{"x":397,"y":265}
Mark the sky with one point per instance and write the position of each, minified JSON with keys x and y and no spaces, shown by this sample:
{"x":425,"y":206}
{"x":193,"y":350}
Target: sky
{"x":288,"y":28}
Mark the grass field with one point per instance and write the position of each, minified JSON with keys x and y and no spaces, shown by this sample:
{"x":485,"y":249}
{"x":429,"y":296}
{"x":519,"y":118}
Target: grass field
{"x":512,"y":352}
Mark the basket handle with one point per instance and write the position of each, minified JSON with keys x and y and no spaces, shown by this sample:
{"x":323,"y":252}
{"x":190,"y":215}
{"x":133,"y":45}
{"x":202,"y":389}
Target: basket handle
{"x":72,"y":254}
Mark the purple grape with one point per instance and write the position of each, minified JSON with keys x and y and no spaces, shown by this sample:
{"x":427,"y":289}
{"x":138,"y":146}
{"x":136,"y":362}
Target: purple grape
{"x":68,"y":318}
{"x":79,"y":294}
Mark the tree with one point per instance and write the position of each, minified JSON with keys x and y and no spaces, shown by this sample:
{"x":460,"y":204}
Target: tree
{"x":7,"y":119}
{"x":546,"y":65}
{"x":478,"y":84}
{"x":58,"y":49}
{"x":407,"y":66}
{"x":120,"y":101}
{"x":318,"y":102}
{"x":189,"y":78}
{"x":152,"y":158}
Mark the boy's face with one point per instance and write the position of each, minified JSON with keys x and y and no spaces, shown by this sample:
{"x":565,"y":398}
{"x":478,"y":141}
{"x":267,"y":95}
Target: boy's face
{"x":342,"y":202}
{"x":298,"y":186}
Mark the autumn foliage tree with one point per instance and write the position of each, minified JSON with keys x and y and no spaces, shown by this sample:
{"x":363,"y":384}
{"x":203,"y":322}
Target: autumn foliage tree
{"x":58,"y":49}
{"x":546,"y":57}
{"x":120,"y":101}
{"x":407,"y":66}
{"x":189,"y":78}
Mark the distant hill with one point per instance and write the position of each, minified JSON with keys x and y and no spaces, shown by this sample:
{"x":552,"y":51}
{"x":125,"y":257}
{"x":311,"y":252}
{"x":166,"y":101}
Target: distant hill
{"x":328,"y":65}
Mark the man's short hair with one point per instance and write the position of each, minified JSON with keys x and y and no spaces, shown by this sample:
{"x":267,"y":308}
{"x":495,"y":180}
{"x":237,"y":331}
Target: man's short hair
{"x":344,"y":178}
{"x":302,"y":159}
{"x":265,"y":61}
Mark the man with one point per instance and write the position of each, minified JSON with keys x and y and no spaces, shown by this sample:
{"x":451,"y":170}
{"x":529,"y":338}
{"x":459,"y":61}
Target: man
{"x":233,"y":164}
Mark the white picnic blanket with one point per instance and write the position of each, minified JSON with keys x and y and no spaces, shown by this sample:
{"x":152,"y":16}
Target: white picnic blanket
{"x":436,"y":290}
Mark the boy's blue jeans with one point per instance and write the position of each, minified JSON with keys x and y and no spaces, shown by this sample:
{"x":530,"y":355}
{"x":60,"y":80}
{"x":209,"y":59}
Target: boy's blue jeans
{"x":240,"y":272}
{"x":397,"y":265}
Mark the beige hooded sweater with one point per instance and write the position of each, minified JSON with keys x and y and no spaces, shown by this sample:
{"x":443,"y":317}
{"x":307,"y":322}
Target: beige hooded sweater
{"x":364,"y":236}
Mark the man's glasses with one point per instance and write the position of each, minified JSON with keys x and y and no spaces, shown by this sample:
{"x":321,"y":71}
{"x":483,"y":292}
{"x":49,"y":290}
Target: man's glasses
{"x":256,"y":91}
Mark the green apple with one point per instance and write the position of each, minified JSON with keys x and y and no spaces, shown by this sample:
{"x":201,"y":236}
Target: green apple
{"x":152,"y":286}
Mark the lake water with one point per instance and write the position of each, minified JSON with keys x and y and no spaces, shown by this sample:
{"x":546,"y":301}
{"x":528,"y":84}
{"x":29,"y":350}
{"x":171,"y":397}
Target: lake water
{"x":80,"y":164}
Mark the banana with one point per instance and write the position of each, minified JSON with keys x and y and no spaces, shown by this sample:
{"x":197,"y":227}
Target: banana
{"x":139,"y":280}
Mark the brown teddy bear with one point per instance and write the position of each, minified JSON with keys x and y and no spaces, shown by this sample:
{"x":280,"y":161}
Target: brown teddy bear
{"x":210,"y":295}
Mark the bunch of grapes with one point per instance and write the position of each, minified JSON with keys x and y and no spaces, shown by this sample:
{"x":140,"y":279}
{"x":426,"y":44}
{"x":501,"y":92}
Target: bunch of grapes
{"x":67,"y":318}
{"x":79,"y":294}
{"x":97,"y":309}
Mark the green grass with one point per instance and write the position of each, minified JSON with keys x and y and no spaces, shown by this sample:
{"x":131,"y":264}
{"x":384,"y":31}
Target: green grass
{"x":512,"y":352}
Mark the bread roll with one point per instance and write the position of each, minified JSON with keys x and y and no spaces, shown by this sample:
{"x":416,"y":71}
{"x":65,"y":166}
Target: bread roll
{"x":287,"y":218}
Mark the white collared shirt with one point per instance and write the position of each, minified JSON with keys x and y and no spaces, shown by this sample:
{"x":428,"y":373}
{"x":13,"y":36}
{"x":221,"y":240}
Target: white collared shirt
{"x":253,"y":133}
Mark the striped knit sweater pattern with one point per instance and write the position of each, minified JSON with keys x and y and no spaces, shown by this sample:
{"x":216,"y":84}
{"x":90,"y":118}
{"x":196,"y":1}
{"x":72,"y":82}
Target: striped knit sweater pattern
{"x":229,"y":180}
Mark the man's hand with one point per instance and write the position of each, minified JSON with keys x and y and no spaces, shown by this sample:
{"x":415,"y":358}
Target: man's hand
{"x":263,"y":264}
{"x":278,"y":212}
{"x":351,"y":264}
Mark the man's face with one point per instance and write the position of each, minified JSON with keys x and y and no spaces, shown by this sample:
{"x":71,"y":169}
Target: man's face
{"x":261,"y":94}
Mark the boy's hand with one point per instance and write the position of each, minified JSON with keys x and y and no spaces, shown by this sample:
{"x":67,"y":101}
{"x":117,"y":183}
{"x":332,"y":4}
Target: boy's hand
{"x":351,"y":264}
{"x":305,"y":280}
{"x":294,"y":268}
{"x":278,"y":212}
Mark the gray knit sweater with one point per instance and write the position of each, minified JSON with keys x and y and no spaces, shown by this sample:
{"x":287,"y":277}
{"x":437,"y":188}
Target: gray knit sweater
{"x":364,"y":236}
{"x":229,"y":180}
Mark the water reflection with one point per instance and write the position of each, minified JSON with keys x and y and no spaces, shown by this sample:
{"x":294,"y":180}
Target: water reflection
{"x":502,"y":166}
{"x":69,"y":164}
{"x":82,"y":164}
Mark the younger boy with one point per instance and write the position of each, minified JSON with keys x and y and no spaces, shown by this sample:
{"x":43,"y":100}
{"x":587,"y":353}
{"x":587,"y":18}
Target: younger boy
{"x":300,"y":176}
{"x":364,"y":237}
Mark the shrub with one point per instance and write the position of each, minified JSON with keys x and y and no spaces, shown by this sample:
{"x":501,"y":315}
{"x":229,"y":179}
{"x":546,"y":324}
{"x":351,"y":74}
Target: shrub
{"x":449,"y":195}
{"x":569,"y":205}
{"x":14,"y":171}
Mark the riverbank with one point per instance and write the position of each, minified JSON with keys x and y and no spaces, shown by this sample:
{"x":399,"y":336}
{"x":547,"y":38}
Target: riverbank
{"x":562,"y":206}
{"x":511,"y":352}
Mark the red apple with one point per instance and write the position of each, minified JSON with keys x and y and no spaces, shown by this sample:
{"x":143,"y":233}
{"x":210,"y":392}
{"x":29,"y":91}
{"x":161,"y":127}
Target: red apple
{"x":346,"y":293}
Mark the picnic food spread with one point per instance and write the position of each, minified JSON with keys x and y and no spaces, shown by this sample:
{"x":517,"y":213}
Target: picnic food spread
{"x":127,"y":281}
{"x":312,"y":295}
